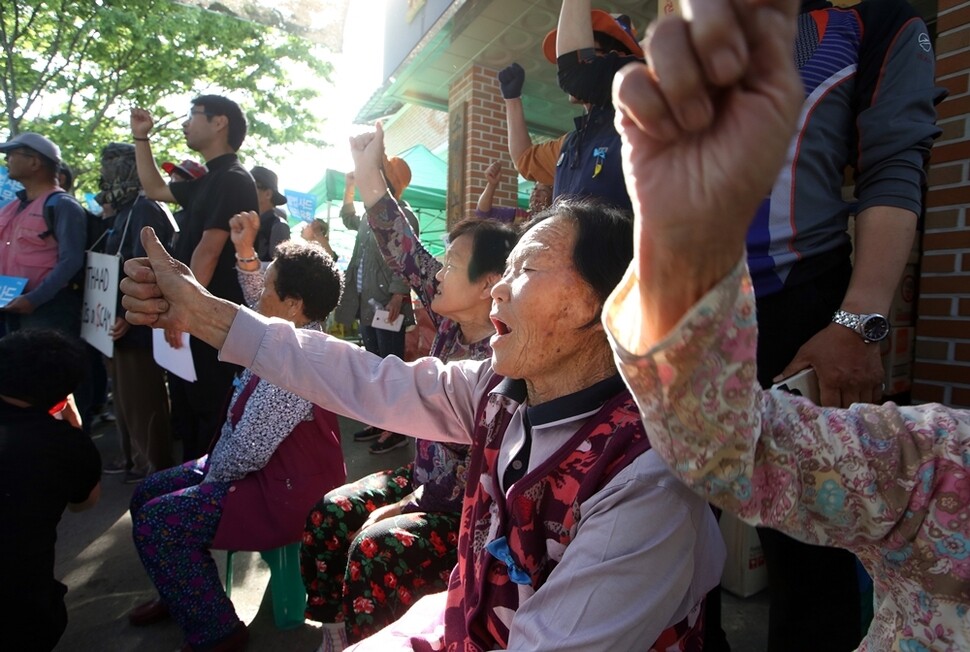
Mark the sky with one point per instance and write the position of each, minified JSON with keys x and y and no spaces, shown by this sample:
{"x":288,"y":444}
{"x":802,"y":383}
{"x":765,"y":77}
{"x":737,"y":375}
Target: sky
{"x":357,"y":74}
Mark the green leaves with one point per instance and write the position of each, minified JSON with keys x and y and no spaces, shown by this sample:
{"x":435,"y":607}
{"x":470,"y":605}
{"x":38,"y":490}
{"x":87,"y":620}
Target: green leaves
{"x":72,"y":70}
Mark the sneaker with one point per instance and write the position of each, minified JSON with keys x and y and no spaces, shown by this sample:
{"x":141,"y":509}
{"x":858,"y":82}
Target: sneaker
{"x":391,"y":442}
{"x":134,"y":477}
{"x":115,"y":468}
{"x":370,"y":433}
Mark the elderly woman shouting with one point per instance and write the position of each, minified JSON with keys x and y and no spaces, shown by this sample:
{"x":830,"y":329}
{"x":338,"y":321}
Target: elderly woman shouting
{"x":574,"y":536}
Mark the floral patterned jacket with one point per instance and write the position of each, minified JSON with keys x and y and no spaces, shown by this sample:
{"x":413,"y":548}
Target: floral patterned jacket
{"x":439,"y":468}
{"x":889,"y":483}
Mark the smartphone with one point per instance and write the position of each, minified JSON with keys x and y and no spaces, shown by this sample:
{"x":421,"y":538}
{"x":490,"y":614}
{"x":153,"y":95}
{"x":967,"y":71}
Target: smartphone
{"x":804,"y":383}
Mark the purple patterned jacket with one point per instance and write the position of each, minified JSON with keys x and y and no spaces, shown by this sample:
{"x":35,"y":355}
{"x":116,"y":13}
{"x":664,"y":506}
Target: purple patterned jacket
{"x":439,"y":469}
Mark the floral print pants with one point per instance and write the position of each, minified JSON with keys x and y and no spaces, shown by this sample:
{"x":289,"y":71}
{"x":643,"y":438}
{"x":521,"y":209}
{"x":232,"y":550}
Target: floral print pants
{"x":369,"y":579}
{"x":174,"y":520}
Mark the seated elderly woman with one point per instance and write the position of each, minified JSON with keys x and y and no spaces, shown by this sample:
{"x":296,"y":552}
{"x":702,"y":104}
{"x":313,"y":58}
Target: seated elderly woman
{"x":888,"y":483}
{"x":358,"y":575}
{"x":275,"y":455}
{"x":574,"y":534}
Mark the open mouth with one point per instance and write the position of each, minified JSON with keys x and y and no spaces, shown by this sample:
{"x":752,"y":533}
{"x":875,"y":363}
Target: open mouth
{"x":501,"y":328}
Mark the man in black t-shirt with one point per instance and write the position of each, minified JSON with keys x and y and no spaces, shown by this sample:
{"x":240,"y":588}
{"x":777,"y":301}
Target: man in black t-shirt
{"x":215,"y":127}
{"x":45,"y":465}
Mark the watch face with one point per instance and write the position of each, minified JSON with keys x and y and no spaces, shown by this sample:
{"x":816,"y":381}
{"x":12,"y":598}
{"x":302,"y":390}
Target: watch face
{"x":875,"y":328}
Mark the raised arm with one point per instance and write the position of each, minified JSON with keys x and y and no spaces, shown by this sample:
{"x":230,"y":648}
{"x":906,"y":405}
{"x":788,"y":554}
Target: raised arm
{"x":148,"y":173}
{"x":348,"y":212}
{"x":394,"y":233}
{"x":243,"y":229}
{"x":493,"y":174}
{"x":703,"y":136}
{"x":510,"y":81}
{"x":575,"y":29}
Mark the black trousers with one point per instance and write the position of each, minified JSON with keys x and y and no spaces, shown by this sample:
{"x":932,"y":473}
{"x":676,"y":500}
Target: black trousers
{"x":813,"y":591}
{"x":204,"y":402}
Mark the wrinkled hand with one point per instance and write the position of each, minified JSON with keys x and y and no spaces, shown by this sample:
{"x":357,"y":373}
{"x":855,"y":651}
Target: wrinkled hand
{"x":367,"y":150}
{"x":381,"y":513}
{"x":159,"y":290}
{"x":706,"y":124}
{"x":141,"y":123}
{"x":243,"y":228}
{"x":493,"y":173}
{"x":174,"y":338}
{"x":510,"y":80}
{"x":393,"y":307}
{"x":849,"y":370}
{"x":19,"y":306}
{"x":119,"y":329}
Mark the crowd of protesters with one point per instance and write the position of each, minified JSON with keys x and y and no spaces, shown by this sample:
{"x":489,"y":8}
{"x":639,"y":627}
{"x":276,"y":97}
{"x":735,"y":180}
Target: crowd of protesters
{"x":598,"y":386}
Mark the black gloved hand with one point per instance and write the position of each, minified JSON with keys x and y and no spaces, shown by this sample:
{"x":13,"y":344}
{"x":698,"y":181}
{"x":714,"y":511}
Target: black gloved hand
{"x":510,"y":79}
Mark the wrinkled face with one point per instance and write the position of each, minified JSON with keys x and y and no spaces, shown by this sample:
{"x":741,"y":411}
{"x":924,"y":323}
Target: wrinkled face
{"x":199,"y":129}
{"x":456,"y":293}
{"x":270,"y":304}
{"x":541,"y":306}
{"x":540,"y":198}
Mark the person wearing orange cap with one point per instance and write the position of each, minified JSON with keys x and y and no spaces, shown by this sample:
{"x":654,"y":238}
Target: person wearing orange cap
{"x":592,"y":46}
{"x":371,"y":284}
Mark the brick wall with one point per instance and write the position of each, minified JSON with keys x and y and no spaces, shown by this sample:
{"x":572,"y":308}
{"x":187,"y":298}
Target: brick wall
{"x":416,"y":125}
{"x":485,"y":136}
{"x":942,"y":369}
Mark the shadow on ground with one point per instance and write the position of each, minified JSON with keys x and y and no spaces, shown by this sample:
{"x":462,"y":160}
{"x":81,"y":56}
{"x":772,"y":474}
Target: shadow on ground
{"x":105,"y":579}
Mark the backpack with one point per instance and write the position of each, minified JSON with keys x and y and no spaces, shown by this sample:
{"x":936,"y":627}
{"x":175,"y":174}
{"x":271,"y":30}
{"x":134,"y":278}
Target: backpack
{"x":96,"y":228}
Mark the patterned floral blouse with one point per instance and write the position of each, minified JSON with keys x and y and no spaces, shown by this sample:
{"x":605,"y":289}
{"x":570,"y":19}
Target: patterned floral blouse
{"x":270,"y":414}
{"x":439,"y":469}
{"x":889,"y":483}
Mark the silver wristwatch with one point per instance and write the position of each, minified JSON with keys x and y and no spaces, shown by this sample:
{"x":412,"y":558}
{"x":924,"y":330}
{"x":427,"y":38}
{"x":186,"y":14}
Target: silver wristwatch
{"x":871,"y":328}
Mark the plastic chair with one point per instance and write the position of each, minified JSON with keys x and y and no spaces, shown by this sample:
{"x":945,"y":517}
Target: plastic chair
{"x":285,"y":582}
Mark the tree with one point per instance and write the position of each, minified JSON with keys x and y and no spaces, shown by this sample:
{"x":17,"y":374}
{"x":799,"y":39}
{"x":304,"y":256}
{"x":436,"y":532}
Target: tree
{"x":73,"y":69}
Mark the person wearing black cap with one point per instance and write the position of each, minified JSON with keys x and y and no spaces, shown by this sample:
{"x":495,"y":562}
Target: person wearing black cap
{"x":42,"y":238}
{"x":273,"y":227}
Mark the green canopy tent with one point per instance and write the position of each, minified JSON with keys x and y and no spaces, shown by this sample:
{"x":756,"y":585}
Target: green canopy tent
{"x":426,"y":194}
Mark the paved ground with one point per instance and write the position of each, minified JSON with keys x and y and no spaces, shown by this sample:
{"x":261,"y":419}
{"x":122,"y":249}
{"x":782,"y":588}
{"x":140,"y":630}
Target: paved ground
{"x":97,"y":561}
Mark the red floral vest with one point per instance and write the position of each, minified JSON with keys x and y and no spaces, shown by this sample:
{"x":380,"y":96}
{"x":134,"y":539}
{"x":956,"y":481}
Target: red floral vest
{"x":542,"y":507}
{"x":23,"y":252}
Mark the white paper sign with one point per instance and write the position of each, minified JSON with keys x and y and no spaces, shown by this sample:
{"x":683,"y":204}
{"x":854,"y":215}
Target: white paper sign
{"x":100,"y":301}
{"x":380,"y":321}
{"x":178,"y":361}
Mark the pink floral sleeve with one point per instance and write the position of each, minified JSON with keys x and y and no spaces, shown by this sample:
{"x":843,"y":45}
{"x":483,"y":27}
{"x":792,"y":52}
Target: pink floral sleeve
{"x":889,"y":483}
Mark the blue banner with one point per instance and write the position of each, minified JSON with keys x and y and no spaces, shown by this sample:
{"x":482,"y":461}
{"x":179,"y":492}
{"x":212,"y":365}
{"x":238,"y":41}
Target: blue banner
{"x":301,"y":205}
{"x":10,"y":288}
{"x":8,"y":187}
